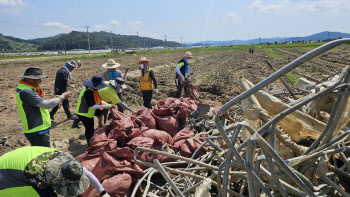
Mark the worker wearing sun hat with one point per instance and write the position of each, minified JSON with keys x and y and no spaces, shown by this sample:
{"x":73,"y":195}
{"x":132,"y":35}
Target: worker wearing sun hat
{"x":181,"y":70}
{"x":61,"y":83}
{"x":148,"y":80}
{"x":90,"y":100}
{"x":112,"y":73}
{"x":42,"y":171}
{"x":33,"y":107}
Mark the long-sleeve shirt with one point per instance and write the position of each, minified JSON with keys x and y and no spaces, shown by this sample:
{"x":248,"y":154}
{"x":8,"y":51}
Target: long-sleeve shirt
{"x":61,"y":81}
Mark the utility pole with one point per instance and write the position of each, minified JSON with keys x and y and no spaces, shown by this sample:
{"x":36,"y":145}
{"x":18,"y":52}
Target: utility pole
{"x":165,"y":41}
{"x":181,"y":40}
{"x":137,"y":34}
{"x":112,"y":41}
{"x":87,"y":31}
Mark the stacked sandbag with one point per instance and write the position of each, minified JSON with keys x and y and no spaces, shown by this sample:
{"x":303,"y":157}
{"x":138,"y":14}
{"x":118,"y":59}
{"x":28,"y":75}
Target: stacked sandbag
{"x":110,"y":158}
{"x":100,"y":135}
{"x":184,"y":139}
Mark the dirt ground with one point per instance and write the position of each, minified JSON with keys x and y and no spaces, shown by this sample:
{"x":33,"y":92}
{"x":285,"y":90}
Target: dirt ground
{"x":214,"y":73}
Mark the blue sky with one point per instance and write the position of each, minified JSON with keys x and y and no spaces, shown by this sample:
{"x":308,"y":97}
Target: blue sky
{"x":193,"y":20}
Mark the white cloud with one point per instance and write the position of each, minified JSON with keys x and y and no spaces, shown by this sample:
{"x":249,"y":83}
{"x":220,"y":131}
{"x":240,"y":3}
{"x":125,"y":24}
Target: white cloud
{"x":262,"y":7}
{"x":11,"y":6}
{"x":13,"y":3}
{"x":234,"y":17}
{"x":106,"y":27}
{"x":57,"y":25}
{"x":279,"y":7}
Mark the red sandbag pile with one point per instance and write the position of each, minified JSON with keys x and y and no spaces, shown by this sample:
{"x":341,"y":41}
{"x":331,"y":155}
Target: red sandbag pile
{"x":110,"y":158}
{"x":184,"y":139}
{"x":100,"y":135}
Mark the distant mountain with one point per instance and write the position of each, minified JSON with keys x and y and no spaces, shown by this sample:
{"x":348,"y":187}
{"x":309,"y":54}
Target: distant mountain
{"x":79,"y":40}
{"x":315,"y":37}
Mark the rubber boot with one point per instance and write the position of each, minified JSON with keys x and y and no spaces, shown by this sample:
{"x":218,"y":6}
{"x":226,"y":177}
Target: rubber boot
{"x":76,"y":123}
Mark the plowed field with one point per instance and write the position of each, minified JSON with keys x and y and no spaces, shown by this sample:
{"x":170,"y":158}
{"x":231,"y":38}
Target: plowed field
{"x":213,"y":72}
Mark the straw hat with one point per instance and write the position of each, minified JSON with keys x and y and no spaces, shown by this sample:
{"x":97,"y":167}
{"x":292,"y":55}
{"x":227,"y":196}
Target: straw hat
{"x":188,"y":54}
{"x":143,"y":59}
{"x":111,"y":64}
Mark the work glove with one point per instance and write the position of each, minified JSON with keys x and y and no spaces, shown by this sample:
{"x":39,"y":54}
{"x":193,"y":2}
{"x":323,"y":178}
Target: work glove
{"x":106,"y":195}
{"x":155,"y":91}
{"x":183,"y":78}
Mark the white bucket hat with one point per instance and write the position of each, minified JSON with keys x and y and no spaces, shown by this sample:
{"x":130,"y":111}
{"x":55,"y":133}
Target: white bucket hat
{"x":111,"y":64}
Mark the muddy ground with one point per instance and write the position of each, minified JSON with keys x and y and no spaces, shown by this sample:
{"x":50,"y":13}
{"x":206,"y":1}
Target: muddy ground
{"x":214,"y":73}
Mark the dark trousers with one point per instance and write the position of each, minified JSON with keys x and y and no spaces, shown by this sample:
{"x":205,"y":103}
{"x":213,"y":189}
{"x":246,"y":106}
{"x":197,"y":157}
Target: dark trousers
{"x":180,"y":86}
{"x":65,"y":105}
{"x":40,"y":140}
{"x":120,"y":108}
{"x":89,"y":127}
{"x":105,"y":113}
{"x":147,"y":97}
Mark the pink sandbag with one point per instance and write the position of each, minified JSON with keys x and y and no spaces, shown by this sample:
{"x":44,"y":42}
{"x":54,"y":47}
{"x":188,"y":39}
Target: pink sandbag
{"x":120,"y":120}
{"x":123,"y":136}
{"x":145,"y":115}
{"x":116,"y":186}
{"x":183,"y":113}
{"x":184,"y":139}
{"x":100,"y":135}
{"x":161,"y":109}
{"x":167,"y":123}
{"x":144,"y":142}
{"x":115,"y":162}
{"x":150,"y":157}
{"x":158,"y":134}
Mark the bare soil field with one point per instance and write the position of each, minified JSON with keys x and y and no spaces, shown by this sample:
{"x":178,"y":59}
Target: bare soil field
{"x":214,"y":73}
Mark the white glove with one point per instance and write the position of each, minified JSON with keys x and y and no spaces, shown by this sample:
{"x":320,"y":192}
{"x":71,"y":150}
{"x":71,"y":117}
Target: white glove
{"x":183,"y":78}
{"x":107,"y":106}
{"x":155,"y":91}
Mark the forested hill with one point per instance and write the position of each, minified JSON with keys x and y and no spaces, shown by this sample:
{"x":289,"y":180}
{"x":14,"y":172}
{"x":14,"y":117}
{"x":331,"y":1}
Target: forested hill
{"x":79,"y":40}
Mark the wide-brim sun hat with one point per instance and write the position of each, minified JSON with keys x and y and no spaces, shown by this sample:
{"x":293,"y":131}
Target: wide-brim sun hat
{"x":188,"y":54}
{"x":72,"y":63}
{"x":65,"y":175}
{"x":95,"y":83}
{"x":33,"y":73}
{"x":143,"y":59}
{"x":111,"y":64}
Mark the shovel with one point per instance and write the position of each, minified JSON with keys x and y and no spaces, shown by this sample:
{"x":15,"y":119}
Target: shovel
{"x":202,"y":109}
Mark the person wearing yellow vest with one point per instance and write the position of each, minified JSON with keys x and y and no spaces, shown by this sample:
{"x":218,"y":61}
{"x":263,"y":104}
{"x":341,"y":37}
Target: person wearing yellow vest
{"x":109,"y":94}
{"x":148,"y":80}
{"x":42,"y":171}
{"x":33,"y":108}
{"x":90,"y":100}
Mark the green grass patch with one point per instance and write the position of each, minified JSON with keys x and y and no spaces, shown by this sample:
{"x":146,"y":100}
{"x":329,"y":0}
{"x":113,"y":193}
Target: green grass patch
{"x":292,"y":77}
{"x":272,"y":53}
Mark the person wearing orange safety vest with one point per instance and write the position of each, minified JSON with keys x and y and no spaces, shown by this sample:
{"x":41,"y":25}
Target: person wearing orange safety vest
{"x":147,"y":82}
{"x":33,"y":108}
{"x":90,"y":100}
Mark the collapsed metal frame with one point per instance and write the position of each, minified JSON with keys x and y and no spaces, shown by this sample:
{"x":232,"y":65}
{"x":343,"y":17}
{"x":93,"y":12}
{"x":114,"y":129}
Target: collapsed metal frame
{"x":245,"y":161}
{"x":269,"y":127}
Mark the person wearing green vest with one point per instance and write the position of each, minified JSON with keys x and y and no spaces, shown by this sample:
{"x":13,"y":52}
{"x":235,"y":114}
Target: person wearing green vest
{"x":109,"y":95}
{"x":90,"y":100}
{"x":180,"y":76}
{"x":148,"y":80}
{"x":41,"y":171}
{"x":33,"y":108}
